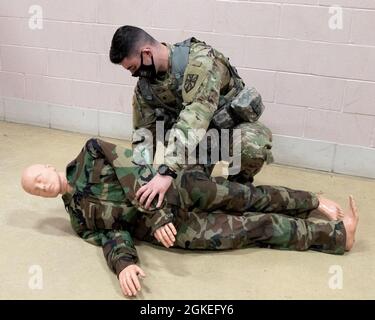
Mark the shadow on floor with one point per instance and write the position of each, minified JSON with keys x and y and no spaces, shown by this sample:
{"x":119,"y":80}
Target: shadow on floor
{"x":30,"y":219}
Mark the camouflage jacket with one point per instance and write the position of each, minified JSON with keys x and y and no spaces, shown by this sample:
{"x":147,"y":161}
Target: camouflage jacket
{"x":206,"y":77}
{"x":102,"y":206}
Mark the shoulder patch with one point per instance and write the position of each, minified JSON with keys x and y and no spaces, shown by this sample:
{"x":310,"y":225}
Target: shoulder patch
{"x":190,"y":82}
{"x":195,"y":74}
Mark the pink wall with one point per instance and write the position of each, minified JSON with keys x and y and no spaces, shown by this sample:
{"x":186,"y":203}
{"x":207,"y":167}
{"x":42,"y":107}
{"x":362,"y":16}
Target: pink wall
{"x":317,"y":83}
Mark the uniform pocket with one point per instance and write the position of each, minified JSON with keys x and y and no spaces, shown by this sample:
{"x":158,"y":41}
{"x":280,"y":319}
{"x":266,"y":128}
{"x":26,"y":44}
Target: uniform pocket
{"x":98,"y":215}
{"x":97,"y":169}
{"x":248,"y":104}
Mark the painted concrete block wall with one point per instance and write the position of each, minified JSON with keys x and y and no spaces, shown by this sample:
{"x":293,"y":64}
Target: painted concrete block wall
{"x":318,"y":83}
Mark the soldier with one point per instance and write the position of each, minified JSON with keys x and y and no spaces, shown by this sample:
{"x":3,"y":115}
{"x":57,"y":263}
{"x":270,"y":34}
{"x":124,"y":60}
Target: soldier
{"x":191,"y":87}
{"x":99,"y":193}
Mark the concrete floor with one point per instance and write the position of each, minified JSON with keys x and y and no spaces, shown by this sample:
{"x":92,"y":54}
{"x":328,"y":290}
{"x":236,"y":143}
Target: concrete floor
{"x":36,"y":231}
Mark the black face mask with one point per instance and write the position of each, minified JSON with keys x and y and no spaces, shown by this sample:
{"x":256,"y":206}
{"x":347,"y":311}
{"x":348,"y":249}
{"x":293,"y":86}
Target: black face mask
{"x":146,"y":71}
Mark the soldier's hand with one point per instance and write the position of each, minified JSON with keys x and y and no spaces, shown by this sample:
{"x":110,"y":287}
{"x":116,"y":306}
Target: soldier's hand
{"x":129,"y":281}
{"x":157,"y":186}
{"x":165,"y":235}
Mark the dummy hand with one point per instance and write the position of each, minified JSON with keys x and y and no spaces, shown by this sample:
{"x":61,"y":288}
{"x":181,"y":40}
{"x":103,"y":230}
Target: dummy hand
{"x":165,"y":234}
{"x":157,"y":186}
{"x":129,"y":280}
{"x":330,"y":208}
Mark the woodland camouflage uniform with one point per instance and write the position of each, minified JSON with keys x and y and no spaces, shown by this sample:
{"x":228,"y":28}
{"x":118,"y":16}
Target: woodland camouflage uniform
{"x":208,"y":213}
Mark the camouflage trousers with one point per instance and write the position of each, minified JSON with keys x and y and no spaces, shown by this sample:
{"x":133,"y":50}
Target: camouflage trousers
{"x":256,"y":143}
{"x":222,"y":231}
{"x":219,"y":214}
{"x":199,"y":192}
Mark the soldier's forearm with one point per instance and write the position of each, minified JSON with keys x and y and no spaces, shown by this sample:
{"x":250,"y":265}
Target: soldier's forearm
{"x":187,"y":132}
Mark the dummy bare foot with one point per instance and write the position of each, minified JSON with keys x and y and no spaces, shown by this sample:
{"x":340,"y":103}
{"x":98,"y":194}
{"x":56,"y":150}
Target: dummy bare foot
{"x":330,"y":209}
{"x":350,"y":220}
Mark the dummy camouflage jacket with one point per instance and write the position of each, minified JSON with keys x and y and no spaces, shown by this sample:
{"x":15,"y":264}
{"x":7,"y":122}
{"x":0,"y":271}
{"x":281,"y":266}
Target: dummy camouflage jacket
{"x":102,"y":206}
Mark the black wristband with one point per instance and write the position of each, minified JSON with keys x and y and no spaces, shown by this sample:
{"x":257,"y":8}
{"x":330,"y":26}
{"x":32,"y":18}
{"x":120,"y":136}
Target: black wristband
{"x":164,"y":170}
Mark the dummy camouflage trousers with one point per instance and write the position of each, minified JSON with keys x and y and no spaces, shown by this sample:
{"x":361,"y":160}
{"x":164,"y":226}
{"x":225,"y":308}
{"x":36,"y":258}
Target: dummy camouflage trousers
{"x":256,"y":143}
{"x":200,"y":193}
{"x":221,"y":231}
{"x":282,"y":219}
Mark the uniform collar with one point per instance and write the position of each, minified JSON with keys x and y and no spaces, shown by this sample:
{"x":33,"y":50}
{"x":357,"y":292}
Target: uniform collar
{"x":71,"y":173}
{"x":170,"y":49}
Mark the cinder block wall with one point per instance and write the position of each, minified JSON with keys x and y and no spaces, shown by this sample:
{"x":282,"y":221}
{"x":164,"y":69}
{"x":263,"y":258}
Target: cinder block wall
{"x":318,"y":83}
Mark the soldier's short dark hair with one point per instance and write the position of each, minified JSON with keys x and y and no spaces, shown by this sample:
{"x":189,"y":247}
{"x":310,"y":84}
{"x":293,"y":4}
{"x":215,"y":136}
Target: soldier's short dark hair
{"x":126,"y":42}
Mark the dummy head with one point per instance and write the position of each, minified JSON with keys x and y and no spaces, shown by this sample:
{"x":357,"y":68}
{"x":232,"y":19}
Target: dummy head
{"x":41,"y":180}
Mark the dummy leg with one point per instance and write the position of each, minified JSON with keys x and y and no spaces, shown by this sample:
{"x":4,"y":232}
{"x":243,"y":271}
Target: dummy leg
{"x":199,"y":191}
{"x":218,"y":231}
